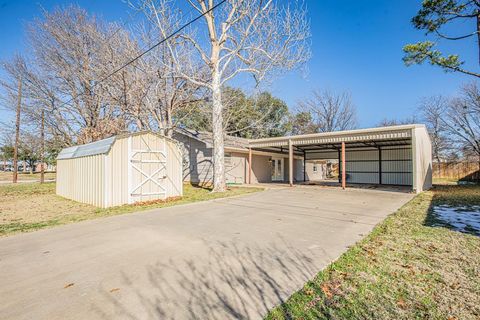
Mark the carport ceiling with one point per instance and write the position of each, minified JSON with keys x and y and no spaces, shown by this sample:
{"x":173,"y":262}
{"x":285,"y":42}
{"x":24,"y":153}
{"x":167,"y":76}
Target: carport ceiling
{"x":381,"y":137}
{"x":299,"y":150}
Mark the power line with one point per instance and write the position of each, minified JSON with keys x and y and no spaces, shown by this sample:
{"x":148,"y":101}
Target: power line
{"x":147,"y":51}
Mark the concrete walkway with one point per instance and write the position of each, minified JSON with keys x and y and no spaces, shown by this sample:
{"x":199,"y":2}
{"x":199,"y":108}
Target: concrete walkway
{"x":224,"y":259}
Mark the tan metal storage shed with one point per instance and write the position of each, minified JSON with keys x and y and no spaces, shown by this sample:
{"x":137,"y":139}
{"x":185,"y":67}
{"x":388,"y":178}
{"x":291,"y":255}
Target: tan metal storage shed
{"x":122,"y":169}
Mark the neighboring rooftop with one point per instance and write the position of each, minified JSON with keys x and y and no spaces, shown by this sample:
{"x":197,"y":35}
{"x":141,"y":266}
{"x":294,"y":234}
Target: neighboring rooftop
{"x":207,"y":137}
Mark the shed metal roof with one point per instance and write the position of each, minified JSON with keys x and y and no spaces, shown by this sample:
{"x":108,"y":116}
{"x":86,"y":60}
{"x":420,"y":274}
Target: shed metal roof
{"x":101,"y":146}
{"x":89,"y":149}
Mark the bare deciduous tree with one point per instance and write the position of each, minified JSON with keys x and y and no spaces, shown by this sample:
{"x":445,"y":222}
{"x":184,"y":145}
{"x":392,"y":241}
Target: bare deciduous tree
{"x":462,"y":120}
{"x":432,"y":110}
{"x":254,"y":37}
{"x":12,"y":97}
{"x":73,"y":53}
{"x":386,"y":122}
{"x":168,"y":92}
{"x":329,"y":111}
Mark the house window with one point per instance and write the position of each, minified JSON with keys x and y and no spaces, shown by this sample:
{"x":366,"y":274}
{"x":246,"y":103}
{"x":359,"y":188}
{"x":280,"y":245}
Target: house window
{"x":315,"y":169}
{"x":228,"y":159}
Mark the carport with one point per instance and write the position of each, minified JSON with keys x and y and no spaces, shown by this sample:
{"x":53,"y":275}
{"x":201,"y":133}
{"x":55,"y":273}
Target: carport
{"x":394,"y":155}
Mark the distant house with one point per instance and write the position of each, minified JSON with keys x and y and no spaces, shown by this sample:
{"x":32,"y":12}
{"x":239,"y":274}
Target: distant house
{"x":46,"y":167}
{"x":198,"y":162}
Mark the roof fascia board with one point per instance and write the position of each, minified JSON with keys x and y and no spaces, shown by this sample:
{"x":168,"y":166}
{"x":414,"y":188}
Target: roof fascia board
{"x":339,"y":133}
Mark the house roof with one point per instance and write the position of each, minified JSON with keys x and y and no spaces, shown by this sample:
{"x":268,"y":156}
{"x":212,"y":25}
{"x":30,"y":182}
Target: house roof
{"x":207,"y":137}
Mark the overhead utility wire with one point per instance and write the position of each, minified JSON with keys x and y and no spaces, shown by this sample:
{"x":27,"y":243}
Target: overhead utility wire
{"x":146,"y":51}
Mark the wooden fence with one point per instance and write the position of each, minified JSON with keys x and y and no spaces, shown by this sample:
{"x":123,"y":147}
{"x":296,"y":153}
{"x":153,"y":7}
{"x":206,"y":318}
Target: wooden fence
{"x":467,"y":171}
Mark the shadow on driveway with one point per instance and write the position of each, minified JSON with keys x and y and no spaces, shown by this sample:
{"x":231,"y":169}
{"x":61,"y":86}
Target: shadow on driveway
{"x":238,"y":282}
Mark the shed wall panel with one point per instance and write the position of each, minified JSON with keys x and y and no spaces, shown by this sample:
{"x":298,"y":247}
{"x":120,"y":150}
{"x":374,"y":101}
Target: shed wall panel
{"x":118,"y":184}
{"x":82,"y":179}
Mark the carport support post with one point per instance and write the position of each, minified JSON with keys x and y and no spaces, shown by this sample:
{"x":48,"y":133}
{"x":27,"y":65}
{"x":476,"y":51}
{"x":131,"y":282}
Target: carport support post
{"x":343,"y":167}
{"x":304,"y":165}
{"x":249,"y":165}
{"x":290,"y":163}
{"x":379,"y":165}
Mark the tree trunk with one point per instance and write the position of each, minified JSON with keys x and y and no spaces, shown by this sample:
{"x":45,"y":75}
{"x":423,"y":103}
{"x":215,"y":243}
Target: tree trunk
{"x":169,"y":129}
{"x":439,"y":167}
{"x":17,"y":133}
{"x":217,"y":128}
{"x":478,"y":36}
{"x":42,"y":149}
{"x":478,"y":171}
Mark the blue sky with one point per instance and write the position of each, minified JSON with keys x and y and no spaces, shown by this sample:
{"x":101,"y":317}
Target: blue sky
{"x":356,"y":46}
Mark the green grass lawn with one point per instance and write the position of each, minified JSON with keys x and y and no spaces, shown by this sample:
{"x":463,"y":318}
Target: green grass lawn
{"x":405,"y":269}
{"x":445,"y":181}
{"x":32,"y":206}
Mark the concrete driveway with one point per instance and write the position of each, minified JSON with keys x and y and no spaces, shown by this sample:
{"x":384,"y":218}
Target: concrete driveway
{"x":225,"y":259}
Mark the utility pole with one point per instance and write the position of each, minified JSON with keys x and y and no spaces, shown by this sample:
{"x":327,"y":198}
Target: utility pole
{"x":17,"y":132}
{"x":4,"y":159}
{"x":42,"y":149}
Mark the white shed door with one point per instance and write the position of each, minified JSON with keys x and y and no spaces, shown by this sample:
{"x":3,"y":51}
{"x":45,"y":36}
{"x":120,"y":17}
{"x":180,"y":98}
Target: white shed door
{"x":147,"y":169}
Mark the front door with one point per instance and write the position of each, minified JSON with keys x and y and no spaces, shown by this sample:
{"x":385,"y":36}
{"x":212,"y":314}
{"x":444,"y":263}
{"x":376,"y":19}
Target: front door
{"x":277,"y":169}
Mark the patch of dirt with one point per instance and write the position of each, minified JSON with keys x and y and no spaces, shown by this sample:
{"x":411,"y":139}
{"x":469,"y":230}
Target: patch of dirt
{"x":37,"y":208}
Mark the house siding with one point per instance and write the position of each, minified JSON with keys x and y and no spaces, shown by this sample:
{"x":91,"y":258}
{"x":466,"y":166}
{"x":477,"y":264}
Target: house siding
{"x":320,"y":174}
{"x":198,"y":163}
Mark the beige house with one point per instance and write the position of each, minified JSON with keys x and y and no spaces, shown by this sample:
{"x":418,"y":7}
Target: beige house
{"x":198,"y":164}
{"x":395,"y":155}
{"x":316,"y":170}
{"x":122,"y":169}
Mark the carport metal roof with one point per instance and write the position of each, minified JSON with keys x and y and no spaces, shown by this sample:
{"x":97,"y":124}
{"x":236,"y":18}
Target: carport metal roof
{"x":374,"y":137}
